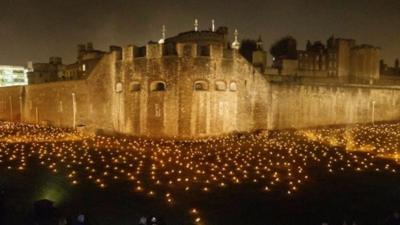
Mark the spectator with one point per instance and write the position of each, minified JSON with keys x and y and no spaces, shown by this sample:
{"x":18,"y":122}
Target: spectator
{"x":81,"y":220}
{"x":395,"y":219}
{"x":62,"y":221}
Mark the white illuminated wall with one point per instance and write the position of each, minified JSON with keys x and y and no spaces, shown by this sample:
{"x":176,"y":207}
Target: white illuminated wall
{"x":13,"y":75}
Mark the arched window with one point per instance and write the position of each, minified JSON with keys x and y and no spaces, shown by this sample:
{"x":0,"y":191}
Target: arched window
{"x":187,"y":50}
{"x":233,"y":86}
{"x":220,"y":85}
{"x":158,"y":86}
{"x":118,"y":87}
{"x":201,"y":85}
{"x":135,"y":86}
{"x":203,"y":50}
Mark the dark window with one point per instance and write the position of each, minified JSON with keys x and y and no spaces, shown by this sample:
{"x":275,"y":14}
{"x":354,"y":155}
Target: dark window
{"x":187,"y":50}
{"x":204,"y":50}
{"x":200,"y":86}
{"x":140,"y":52}
{"x":158,"y":86}
{"x":135,"y":86}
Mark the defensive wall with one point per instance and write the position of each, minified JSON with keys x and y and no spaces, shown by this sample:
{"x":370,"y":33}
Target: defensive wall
{"x":187,"y":95}
{"x":297,"y":105}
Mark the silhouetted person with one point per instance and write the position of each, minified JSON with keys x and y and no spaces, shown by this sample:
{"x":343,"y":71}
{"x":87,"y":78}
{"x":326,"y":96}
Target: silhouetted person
{"x":395,"y":219}
{"x":81,"y":220}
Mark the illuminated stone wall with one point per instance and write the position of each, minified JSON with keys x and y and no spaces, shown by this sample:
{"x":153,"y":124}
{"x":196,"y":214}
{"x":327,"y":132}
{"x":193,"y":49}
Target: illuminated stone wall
{"x":180,"y":109}
{"x":52,"y":103}
{"x":10,"y":103}
{"x":187,"y":95}
{"x":296,"y":105}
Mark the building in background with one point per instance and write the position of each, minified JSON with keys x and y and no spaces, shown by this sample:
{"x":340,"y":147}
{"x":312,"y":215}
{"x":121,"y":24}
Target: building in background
{"x":55,"y":70}
{"x":13,"y":75}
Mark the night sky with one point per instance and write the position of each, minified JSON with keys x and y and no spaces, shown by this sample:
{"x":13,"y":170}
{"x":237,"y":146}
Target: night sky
{"x":33,"y":30}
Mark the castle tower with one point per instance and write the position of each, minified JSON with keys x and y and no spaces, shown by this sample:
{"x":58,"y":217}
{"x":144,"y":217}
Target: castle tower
{"x":343,"y":51}
{"x":260,"y":56}
{"x":364,"y":63}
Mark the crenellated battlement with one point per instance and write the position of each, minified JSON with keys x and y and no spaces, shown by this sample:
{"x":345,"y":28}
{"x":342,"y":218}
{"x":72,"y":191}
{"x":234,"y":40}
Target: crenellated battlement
{"x":193,"y":50}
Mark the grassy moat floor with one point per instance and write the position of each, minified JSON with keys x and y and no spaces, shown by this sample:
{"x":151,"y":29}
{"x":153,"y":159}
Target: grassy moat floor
{"x":288,"y":177}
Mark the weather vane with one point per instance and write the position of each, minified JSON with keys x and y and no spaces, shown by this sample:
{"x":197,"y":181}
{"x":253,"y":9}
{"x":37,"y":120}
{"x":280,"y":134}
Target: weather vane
{"x":235,"y":43}
{"x":163,"y":32}
{"x":196,"y":25}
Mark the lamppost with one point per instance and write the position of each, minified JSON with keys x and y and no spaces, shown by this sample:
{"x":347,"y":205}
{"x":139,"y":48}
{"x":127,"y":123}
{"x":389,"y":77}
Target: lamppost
{"x":20,"y":108}
{"x":73,"y":111}
{"x":37,"y":115}
{"x":11,"y":108}
{"x":373,"y":112}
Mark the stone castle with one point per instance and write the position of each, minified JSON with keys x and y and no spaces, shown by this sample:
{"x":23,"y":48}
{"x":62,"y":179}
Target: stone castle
{"x":197,"y":83}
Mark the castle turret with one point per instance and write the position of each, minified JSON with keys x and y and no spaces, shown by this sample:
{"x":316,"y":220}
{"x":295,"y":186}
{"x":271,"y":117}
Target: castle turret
{"x":364,"y":64}
{"x":259,"y":57}
{"x":343,"y":47}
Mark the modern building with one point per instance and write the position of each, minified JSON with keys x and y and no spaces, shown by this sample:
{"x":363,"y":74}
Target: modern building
{"x":13,"y":75}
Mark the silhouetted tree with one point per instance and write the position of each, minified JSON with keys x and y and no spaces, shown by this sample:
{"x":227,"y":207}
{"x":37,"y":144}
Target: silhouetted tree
{"x":285,"y":48}
{"x":247,"y":47}
{"x":382,"y":65}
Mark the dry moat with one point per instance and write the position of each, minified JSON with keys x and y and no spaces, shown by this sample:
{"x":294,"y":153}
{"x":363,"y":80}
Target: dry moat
{"x":305,"y":176}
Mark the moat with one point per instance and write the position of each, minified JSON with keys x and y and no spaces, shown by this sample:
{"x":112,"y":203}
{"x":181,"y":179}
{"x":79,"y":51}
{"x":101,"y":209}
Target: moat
{"x":305,"y":176}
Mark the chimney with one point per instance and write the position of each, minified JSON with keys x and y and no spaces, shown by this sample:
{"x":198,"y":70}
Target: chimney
{"x":29,"y":66}
{"x":89,"y":46}
{"x":55,"y":60}
{"x":81,"y":48}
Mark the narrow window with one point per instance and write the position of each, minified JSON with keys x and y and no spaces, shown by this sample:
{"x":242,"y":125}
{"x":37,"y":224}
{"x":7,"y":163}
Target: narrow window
{"x":220,"y":85}
{"x":135,"y":86}
{"x":200,"y":86}
{"x":118,"y":87}
{"x":157,"y":110}
{"x":158,"y":86}
{"x":233,"y":86}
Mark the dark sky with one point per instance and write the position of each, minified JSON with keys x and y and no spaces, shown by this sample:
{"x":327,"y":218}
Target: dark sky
{"x":33,"y":30}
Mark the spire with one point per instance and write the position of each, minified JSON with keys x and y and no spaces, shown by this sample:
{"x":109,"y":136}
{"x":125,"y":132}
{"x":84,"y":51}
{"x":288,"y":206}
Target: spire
{"x":196,"y":25}
{"x":235,"y":43}
{"x":213,"y":25}
{"x":259,"y":43}
{"x":163,"y":31}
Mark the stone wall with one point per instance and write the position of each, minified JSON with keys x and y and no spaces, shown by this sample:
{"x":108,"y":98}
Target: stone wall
{"x":65,"y":103}
{"x":52,"y":103}
{"x":365,"y":63}
{"x":181,"y":110}
{"x":11,"y":105}
{"x":187,"y":95}
{"x":302,"y":105}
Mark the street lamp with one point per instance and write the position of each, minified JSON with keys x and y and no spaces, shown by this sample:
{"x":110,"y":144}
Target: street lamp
{"x":373,"y":112}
